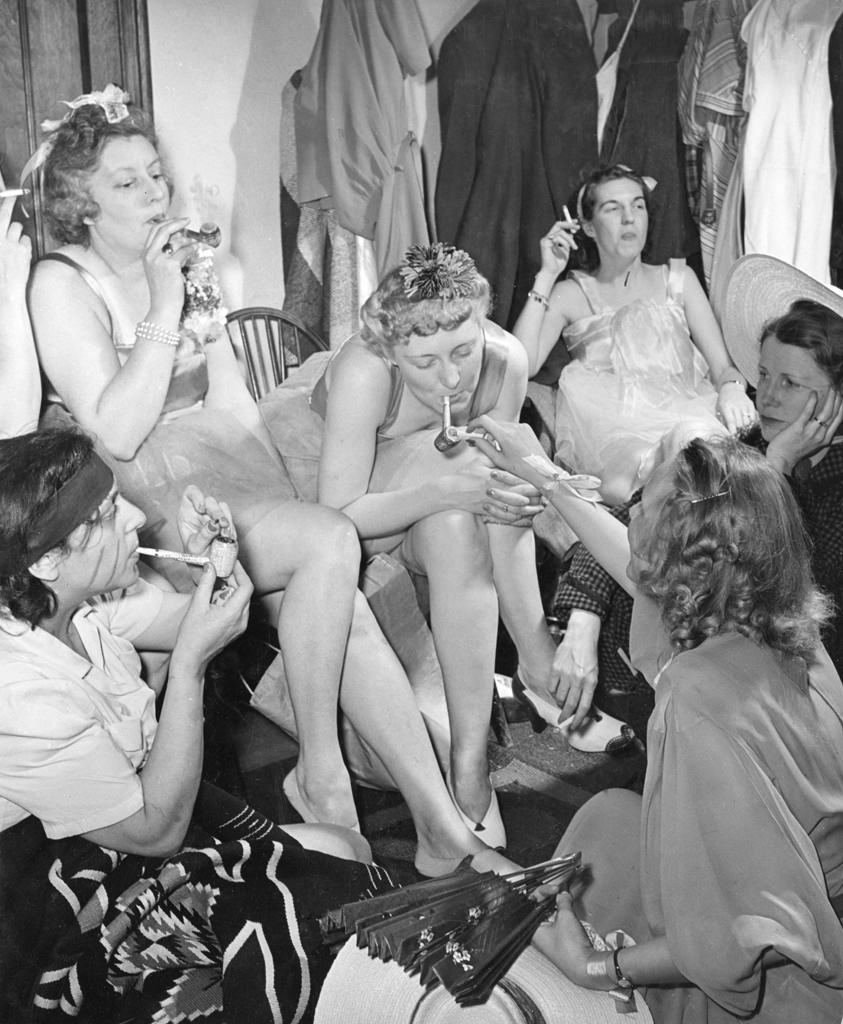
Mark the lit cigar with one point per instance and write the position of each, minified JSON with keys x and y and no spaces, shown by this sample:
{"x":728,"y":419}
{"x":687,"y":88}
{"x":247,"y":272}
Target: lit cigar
{"x":176,"y":556}
{"x":208,"y":234}
{"x":447,"y":436}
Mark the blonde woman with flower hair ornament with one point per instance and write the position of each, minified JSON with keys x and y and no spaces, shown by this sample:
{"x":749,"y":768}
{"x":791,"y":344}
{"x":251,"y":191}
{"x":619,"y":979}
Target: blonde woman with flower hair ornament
{"x":137,"y":356}
{"x":363,"y":429}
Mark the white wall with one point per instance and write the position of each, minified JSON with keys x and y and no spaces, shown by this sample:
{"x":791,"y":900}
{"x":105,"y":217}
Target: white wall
{"x":218,"y":67}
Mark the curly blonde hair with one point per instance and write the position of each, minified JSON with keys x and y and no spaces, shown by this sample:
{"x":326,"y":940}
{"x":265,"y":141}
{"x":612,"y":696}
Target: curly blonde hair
{"x":390,"y":315}
{"x":729,"y":553}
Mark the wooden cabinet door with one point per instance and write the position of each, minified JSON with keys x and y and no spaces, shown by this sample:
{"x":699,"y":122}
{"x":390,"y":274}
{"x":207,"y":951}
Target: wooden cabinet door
{"x":52,"y":50}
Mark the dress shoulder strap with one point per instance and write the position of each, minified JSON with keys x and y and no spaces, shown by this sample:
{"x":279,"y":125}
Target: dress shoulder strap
{"x":589,"y":289}
{"x":676,"y":279}
{"x":87,"y":277}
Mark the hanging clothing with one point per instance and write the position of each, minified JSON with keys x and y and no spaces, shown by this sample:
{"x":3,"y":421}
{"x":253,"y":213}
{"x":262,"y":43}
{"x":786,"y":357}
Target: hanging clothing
{"x":788,"y":173}
{"x":835,"y":78}
{"x":518,"y":115}
{"x":711,"y":76}
{"x":643,"y":130}
{"x":320,"y":257}
{"x":355,"y":152}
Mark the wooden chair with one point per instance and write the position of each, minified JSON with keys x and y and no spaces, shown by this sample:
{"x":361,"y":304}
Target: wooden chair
{"x":273,"y":343}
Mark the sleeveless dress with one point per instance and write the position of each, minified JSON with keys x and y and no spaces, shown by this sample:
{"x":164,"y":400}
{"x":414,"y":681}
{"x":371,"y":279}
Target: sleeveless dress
{"x":294,"y":414}
{"x":635,"y":373}
{"x":189,"y":444}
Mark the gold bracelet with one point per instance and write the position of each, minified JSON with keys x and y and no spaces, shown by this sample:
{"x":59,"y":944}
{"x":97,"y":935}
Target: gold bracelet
{"x":146,"y":330}
{"x":538,"y":297}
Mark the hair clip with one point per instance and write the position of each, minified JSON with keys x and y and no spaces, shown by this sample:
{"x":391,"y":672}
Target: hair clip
{"x":437,"y":271}
{"x":709,"y":497}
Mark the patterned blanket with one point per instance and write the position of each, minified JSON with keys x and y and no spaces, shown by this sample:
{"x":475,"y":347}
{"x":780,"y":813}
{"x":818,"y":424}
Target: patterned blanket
{"x":226,"y":930}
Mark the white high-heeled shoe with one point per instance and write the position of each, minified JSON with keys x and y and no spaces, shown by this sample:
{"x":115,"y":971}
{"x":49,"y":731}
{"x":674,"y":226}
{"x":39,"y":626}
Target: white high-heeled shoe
{"x":490,"y":829}
{"x":598,"y":734}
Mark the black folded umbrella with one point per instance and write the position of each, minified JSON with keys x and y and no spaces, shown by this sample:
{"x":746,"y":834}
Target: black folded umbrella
{"x":463,"y":931}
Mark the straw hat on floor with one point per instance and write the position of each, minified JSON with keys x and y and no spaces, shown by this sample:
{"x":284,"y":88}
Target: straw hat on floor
{"x":363,"y":990}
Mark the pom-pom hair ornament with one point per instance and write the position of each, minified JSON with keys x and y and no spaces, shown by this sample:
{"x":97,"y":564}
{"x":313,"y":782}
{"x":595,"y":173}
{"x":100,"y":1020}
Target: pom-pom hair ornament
{"x":437,"y":271}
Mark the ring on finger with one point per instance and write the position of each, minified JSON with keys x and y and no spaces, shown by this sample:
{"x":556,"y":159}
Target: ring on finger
{"x":506,"y":508}
{"x":167,"y":249}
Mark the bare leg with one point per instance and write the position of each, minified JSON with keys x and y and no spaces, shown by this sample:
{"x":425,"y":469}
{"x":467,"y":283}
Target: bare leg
{"x":513,"y":554}
{"x":452,"y":549}
{"x":312,"y":553}
{"x":377,"y":698}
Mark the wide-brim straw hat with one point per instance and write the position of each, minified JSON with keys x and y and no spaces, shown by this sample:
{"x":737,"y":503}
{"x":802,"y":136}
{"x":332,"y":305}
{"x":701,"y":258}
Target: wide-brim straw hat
{"x":363,"y":990}
{"x":758,"y":289}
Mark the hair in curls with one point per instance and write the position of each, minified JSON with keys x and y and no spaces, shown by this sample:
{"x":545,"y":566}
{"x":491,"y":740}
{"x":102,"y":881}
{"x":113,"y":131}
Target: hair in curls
{"x":32,"y":468}
{"x":590,"y":256}
{"x":75,"y":151}
{"x":715,"y":558}
{"x":389,"y":317}
{"x":814,"y":327}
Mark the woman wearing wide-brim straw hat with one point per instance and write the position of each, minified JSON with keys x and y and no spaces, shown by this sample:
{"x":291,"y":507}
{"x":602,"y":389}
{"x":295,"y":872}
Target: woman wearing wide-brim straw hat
{"x":784,"y":331}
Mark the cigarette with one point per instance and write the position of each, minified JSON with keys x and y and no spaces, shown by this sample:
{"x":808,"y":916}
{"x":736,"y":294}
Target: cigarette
{"x":568,"y":216}
{"x":177,"y":556}
{"x":446,"y":412}
{"x":7,"y":193}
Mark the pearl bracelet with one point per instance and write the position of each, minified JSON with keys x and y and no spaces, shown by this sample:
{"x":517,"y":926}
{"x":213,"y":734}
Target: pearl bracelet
{"x":148,"y":331}
{"x":538,"y":297}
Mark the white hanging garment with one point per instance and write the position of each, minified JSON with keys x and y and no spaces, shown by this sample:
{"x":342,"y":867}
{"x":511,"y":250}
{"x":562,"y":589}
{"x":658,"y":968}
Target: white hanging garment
{"x":788,"y":154}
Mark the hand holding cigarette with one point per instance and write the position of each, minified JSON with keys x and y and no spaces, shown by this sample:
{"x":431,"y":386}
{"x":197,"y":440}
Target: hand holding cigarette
{"x":557,"y":244}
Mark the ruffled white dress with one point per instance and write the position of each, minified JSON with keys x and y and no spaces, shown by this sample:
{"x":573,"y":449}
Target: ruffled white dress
{"x":635,"y":374}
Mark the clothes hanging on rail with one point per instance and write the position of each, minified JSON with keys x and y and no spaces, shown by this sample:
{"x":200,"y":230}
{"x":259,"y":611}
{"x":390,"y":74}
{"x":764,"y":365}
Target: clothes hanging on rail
{"x":319,"y":256}
{"x":711,"y":77}
{"x":789,"y":168}
{"x":643,"y":126}
{"x":355,"y":152}
{"x":835,"y":78}
{"x":518,"y":115}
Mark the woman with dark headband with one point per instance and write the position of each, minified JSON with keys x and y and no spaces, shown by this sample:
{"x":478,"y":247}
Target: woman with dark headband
{"x":646,"y":351}
{"x":371,"y":421}
{"x":727,"y":872}
{"x":116,"y":863}
{"x":132,"y":344}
